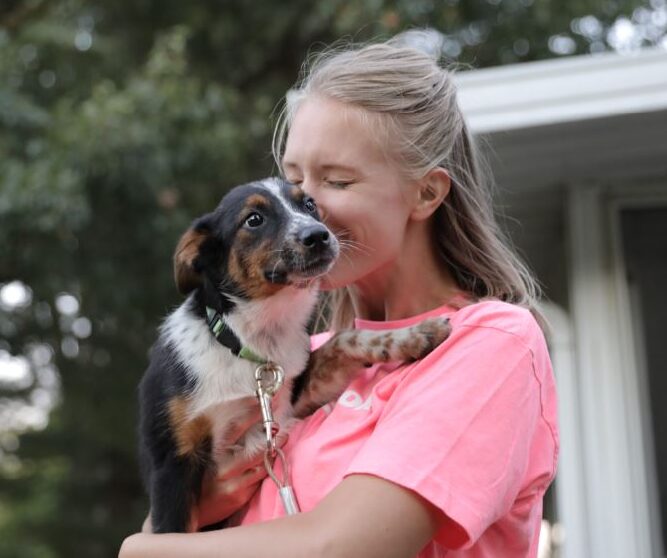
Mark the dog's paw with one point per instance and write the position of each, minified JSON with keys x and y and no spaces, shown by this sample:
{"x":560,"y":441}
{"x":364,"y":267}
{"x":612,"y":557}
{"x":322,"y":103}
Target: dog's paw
{"x":425,"y":336}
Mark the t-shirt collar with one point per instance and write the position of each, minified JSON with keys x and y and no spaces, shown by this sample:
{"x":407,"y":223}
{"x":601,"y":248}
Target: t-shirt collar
{"x":450,"y":306}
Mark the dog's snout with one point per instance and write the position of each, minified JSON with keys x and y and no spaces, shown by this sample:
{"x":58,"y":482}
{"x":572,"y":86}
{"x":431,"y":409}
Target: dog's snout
{"x":315,"y":236}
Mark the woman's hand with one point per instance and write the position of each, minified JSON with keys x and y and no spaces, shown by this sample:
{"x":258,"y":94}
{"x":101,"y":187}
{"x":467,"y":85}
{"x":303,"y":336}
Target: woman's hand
{"x":235,"y":478}
{"x":232,"y":486}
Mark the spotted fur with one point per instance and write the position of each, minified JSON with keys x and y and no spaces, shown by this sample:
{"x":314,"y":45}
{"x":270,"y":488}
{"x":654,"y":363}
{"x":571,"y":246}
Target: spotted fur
{"x":332,"y":366}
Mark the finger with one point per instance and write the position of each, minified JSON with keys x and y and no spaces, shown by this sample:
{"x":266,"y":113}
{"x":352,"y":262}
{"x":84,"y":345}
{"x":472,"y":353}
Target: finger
{"x":233,"y":488}
{"x":233,"y":462}
{"x":239,"y":486}
{"x":225,"y":498}
{"x":250,"y":477}
{"x":234,"y":465}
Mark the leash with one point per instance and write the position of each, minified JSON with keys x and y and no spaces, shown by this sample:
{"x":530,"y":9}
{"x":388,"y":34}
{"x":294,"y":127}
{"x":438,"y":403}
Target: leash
{"x":269,"y":377}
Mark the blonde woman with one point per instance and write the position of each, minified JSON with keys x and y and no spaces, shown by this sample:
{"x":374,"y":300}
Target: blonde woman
{"x":450,"y":455}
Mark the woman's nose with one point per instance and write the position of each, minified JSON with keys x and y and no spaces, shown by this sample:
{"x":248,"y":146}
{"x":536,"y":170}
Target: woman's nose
{"x":308,"y":186}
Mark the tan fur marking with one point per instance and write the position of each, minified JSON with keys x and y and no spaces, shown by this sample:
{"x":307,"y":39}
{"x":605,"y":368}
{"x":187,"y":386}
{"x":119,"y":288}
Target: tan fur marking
{"x":247,"y":268}
{"x":235,"y":269}
{"x":257,"y":200}
{"x":252,"y":202}
{"x":186,"y":251}
{"x":189,"y":434}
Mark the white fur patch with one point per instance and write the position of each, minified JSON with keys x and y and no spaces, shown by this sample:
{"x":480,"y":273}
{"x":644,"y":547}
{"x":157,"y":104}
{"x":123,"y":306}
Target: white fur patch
{"x":274,"y":328}
{"x":297,"y":219}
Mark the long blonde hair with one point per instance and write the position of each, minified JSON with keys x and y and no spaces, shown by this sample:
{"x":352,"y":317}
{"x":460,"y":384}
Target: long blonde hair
{"x":411,"y":102}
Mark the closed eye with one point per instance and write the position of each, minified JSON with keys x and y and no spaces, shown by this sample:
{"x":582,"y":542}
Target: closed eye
{"x":341,"y":184}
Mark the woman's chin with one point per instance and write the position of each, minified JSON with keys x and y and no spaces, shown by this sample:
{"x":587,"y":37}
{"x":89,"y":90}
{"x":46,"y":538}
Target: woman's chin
{"x":332,"y":281}
{"x":326,"y":284}
{"x":348,"y":271}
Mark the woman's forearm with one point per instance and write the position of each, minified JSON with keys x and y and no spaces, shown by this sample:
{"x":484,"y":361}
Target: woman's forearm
{"x":363,"y":516}
{"x":290,"y":537}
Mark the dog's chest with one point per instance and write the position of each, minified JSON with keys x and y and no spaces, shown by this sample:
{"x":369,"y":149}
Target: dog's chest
{"x":214,"y":373}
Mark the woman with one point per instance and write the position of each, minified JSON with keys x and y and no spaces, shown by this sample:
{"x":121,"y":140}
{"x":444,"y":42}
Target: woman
{"x":449,"y":455}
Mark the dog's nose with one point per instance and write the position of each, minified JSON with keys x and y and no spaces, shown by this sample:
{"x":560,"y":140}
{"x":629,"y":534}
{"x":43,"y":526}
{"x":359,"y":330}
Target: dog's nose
{"x":315,"y":236}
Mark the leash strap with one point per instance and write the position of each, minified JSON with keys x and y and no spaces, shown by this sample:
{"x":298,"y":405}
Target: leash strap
{"x":269,"y":377}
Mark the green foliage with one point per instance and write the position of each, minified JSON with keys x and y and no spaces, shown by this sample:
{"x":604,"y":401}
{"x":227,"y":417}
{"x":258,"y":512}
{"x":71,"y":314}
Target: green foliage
{"x":120,"y":122}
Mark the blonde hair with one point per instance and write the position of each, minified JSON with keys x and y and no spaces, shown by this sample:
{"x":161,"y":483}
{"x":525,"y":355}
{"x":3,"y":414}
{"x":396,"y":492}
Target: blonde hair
{"x":411,"y":101}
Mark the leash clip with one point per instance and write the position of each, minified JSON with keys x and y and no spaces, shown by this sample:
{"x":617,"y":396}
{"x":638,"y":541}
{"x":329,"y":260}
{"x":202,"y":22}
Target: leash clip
{"x":269,"y":378}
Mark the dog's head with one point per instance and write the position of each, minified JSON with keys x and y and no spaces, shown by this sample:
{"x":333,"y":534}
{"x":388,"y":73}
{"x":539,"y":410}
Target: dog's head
{"x":263,"y":236}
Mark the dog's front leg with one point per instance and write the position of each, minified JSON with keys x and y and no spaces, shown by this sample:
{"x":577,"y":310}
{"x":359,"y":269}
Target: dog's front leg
{"x":173,"y":494}
{"x":201,"y":443}
{"x":332,"y":366}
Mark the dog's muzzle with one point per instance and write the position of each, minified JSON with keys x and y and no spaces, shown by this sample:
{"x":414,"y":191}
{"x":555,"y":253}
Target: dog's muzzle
{"x":309,"y":253}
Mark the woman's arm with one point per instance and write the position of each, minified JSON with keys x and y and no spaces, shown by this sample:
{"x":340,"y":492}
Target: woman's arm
{"x":363,"y":516}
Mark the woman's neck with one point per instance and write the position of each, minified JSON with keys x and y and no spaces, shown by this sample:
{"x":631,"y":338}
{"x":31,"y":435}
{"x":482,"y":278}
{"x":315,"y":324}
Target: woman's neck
{"x":413,"y":283}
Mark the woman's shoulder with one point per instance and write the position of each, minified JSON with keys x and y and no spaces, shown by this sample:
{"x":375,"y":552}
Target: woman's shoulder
{"x":492,"y":316}
{"x":503,"y":318}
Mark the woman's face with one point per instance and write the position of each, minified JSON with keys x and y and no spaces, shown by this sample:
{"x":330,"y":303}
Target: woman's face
{"x":332,"y":154}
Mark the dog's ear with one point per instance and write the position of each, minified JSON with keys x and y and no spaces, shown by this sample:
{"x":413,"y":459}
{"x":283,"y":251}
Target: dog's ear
{"x":186,"y":272}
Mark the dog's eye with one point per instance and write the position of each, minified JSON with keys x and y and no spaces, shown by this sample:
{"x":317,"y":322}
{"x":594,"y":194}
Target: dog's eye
{"x":254,"y":220}
{"x":310,"y":205}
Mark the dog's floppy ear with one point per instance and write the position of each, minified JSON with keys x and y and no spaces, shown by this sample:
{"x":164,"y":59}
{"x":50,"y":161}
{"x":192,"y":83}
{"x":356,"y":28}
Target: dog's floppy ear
{"x":186,"y":272}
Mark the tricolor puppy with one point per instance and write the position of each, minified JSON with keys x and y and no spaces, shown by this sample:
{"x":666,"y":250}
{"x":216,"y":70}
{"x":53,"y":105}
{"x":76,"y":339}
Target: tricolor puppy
{"x":249,"y":270}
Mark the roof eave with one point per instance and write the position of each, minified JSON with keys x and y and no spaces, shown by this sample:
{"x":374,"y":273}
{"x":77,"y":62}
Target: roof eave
{"x":563,"y":90}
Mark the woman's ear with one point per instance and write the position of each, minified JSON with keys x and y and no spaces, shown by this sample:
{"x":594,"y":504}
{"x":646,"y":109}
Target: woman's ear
{"x":433,"y":188}
{"x":186,"y":272}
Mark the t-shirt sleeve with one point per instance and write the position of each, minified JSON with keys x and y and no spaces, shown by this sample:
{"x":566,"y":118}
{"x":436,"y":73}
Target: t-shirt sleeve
{"x":459,"y":428}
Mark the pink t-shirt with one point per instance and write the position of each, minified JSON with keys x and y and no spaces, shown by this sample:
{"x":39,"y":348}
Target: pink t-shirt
{"x":472,"y":428}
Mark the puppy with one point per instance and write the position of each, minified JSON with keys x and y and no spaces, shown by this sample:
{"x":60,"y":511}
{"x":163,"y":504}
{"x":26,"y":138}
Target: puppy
{"x":249,"y":270}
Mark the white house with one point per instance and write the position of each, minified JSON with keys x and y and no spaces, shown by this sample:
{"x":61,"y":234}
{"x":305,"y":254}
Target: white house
{"x":578,"y":147}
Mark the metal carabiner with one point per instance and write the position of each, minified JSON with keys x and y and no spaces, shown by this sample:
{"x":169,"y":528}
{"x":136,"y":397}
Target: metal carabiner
{"x":269,"y":378}
{"x":271,"y":384}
